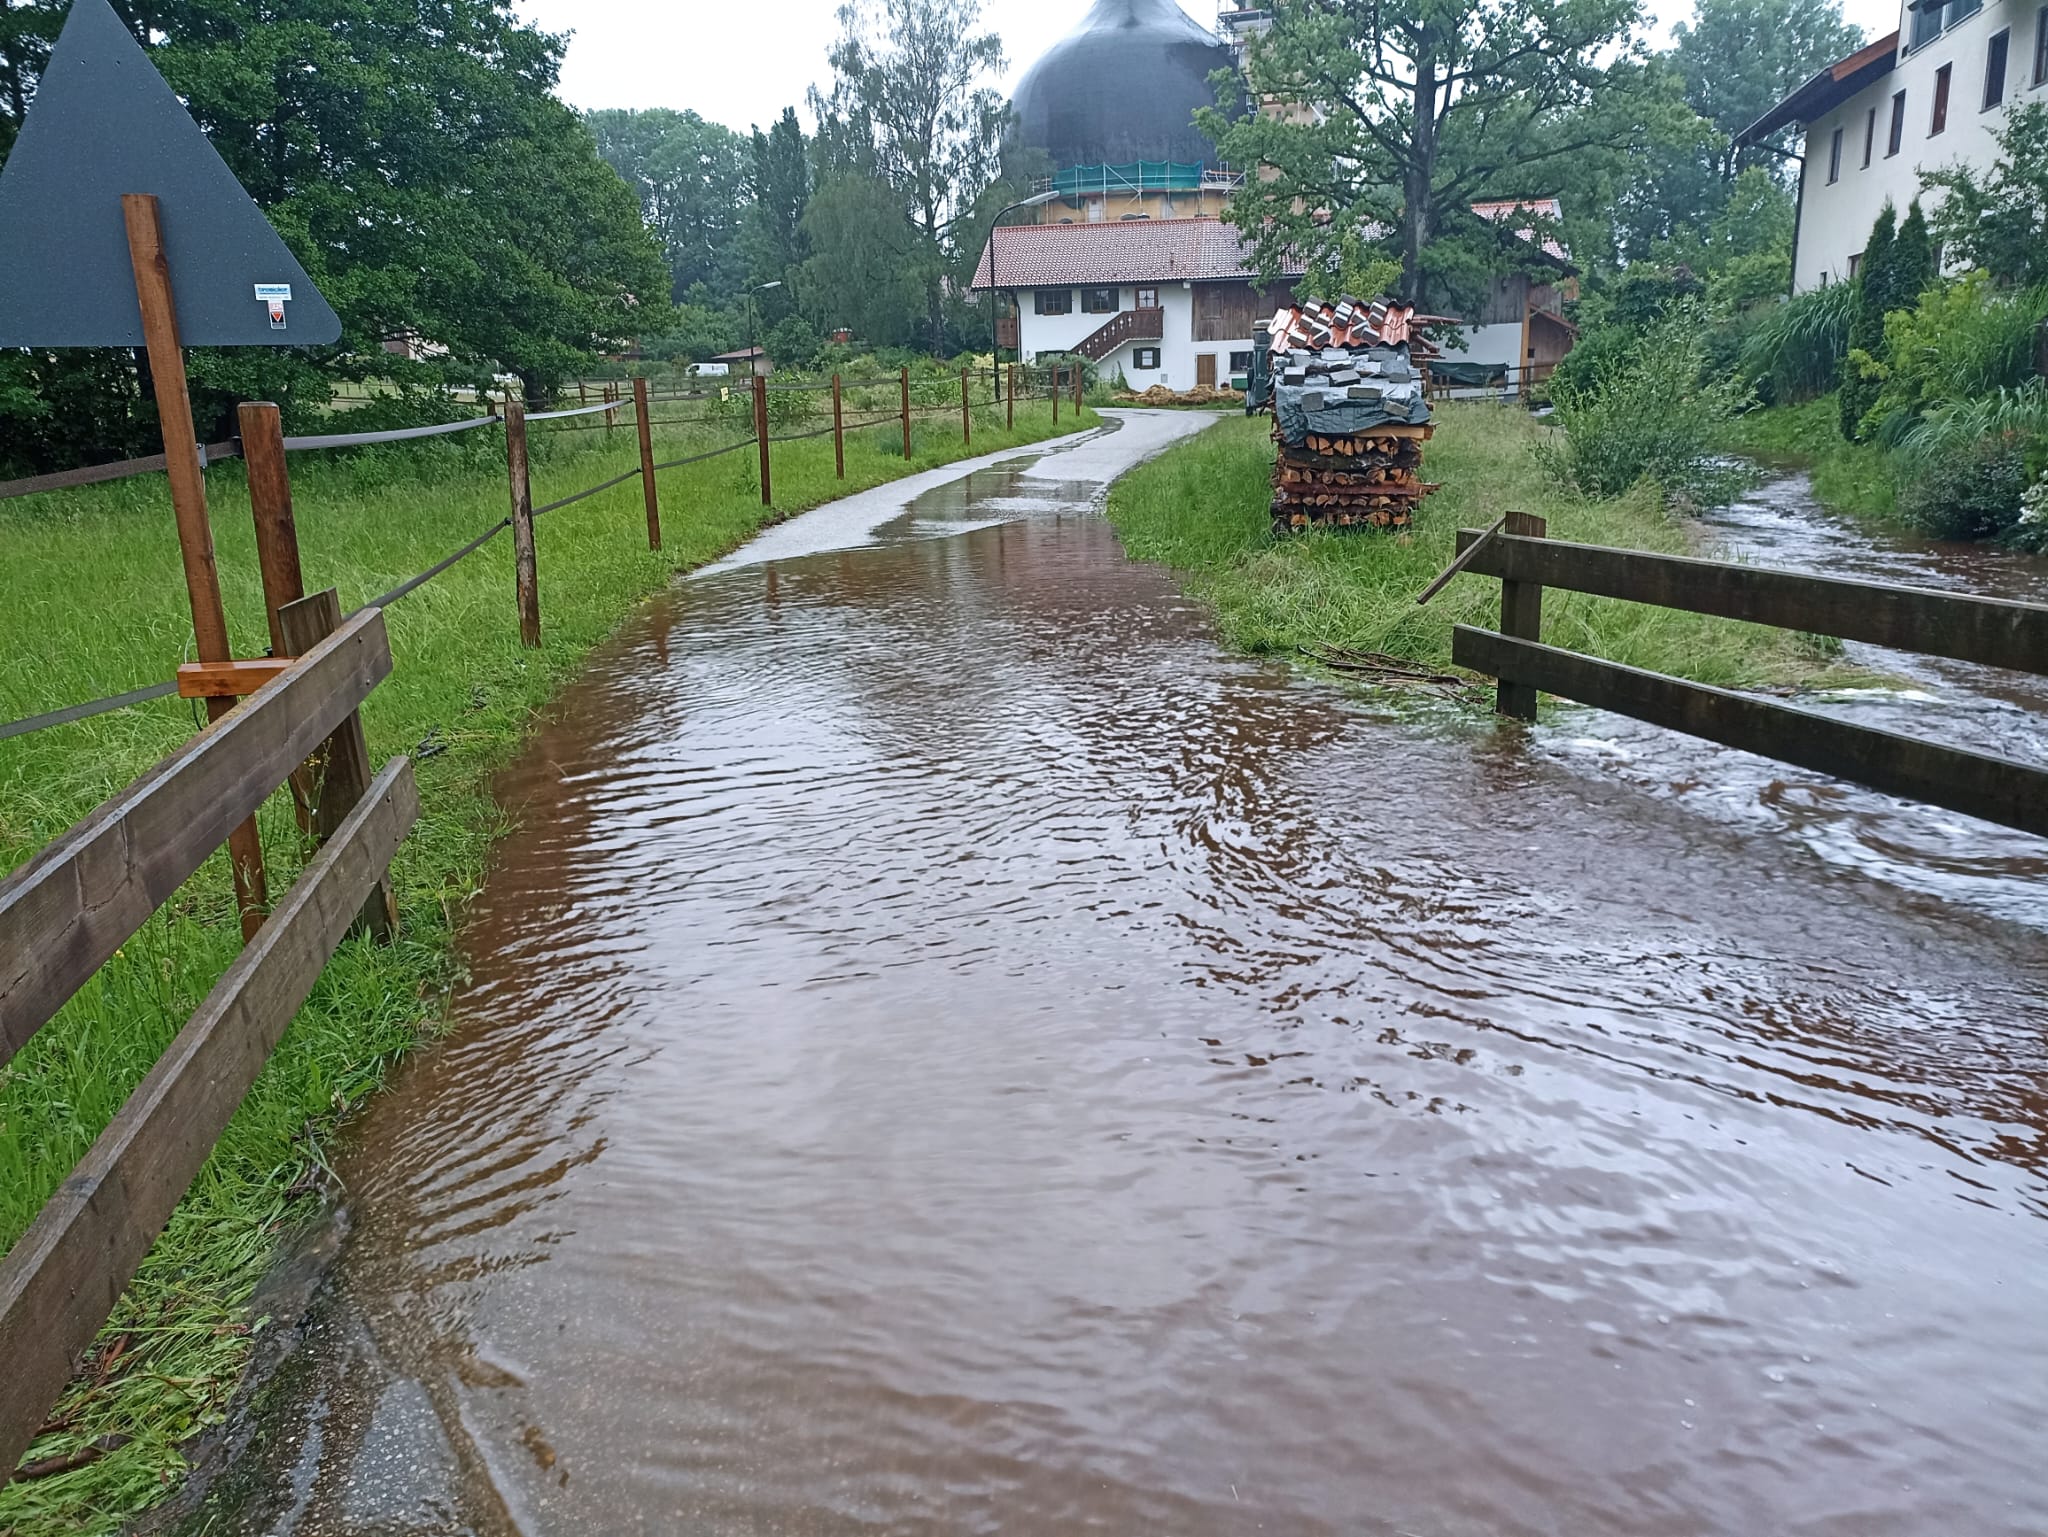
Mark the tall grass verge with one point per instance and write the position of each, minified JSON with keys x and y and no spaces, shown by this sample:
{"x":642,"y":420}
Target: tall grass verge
{"x":91,"y":603}
{"x":1202,"y":510}
{"x":1796,"y":350}
{"x":1857,"y":479}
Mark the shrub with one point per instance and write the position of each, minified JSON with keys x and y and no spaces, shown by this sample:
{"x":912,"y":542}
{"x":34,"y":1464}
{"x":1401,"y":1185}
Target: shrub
{"x":2019,"y":414}
{"x":1650,"y":416}
{"x":1795,"y":352}
{"x":1971,"y":494}
{"x":1962,"y":342}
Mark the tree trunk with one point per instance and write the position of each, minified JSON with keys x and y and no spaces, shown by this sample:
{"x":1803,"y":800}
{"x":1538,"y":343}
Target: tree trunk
{"x":1419,"y":176}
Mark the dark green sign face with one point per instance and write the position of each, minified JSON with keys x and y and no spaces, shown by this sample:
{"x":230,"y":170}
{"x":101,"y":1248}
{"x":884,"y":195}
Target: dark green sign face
{"x":104,"y":123}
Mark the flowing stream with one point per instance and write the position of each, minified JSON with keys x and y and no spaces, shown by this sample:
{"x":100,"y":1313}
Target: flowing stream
{"x":949,"y":1049}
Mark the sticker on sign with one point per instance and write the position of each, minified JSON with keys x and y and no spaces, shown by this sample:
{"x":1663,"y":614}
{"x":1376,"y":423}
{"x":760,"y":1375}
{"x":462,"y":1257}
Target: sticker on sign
{"x":276,"y":295}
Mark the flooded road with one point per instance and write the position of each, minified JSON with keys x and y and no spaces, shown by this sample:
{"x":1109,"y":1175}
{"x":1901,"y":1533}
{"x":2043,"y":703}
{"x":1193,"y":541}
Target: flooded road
{"x":949,"y":1050}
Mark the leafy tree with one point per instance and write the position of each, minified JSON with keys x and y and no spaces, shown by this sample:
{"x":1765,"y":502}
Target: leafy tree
{"x":1734,"y":61}
{"x":1861,"y":374}
{"x":781,"y":188}
{"x":866,"y":272}
{"x":917,"y":74}
{"x":1416,"y":107}
{"x":691,"y":178}
{"x":1997,"y":218}
{"x":1740,"y":58}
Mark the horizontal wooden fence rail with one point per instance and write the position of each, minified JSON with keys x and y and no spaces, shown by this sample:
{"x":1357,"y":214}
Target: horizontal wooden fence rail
{"x":63,"y":914}
{"x":1996,"y":632}
{"x":1976,"y":784}
{"x":66,"y":911}
{"x":1992,"y":632}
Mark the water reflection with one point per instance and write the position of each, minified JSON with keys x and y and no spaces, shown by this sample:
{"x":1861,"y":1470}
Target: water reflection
{"x":951,"y":1051}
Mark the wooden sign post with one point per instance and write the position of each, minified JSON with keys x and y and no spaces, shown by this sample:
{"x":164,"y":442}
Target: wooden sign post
{"x":188,"y":505}
{"x":105,"y":127}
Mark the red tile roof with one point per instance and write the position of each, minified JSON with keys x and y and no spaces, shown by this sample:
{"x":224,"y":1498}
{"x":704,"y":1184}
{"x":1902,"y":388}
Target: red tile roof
{"x":1125,"y":251}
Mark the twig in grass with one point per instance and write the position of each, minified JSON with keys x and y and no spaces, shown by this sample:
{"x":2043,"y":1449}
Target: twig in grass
{"x":1386,"y":670}
{"x":68,"y":1462}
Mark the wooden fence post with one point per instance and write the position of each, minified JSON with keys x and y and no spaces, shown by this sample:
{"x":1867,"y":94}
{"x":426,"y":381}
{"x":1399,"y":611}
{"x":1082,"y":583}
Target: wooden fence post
{"x":838,"y":428}
{"x":761,"y":434}
{"x":652,"y":497}
{"x":966,"y":420}
{"x":341,"y":769}
{"x":1521,"y":616}
{"x":582,"y":393}
{"x":270,"y":503}
{"x":188,"y":505}
{"x":527,"y":575}
{"x":1012,"y":422}
{"x":277,"y":547}
{"x":611,"y":418}
{"x":906,"y":411}
{"x":1078,"y":382}
{"x":1055,"y":394}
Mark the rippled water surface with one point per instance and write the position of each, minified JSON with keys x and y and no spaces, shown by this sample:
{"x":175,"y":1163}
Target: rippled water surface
{"x":950,"y":1050}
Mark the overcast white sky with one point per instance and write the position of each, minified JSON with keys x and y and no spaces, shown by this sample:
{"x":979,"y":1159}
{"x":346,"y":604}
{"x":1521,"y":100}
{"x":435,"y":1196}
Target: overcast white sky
{"x":741,"y":64}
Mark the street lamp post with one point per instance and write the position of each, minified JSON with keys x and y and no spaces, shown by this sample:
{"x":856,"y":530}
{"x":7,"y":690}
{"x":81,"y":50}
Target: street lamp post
{"x":995,"y":344}
{"x":754,"y":322}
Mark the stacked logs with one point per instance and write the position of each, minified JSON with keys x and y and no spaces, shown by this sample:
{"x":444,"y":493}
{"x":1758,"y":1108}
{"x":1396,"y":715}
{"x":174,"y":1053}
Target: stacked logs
{"x":1370,"y":480}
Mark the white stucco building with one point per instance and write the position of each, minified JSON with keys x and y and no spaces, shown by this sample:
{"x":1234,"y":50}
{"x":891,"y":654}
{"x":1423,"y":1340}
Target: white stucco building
{"x":1929,"y":95}
{"x":1162,"y":301}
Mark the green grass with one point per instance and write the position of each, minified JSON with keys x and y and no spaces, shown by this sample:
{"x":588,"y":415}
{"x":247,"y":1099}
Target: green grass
{"x":1853,"y":478}
{"x":93,"y":604}
{"x":1201,"y":509}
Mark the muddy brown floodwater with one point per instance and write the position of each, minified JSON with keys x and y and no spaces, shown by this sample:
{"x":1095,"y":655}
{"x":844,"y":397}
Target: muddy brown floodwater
{"x":949,"y":1049}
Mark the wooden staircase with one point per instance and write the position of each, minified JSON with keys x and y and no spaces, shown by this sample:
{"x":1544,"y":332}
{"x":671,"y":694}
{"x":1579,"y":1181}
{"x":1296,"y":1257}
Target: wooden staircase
{"x":1146,"y":325}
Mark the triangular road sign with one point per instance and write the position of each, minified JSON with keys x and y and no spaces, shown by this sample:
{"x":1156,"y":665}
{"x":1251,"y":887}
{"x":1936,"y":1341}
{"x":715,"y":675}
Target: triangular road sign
{"x":104,"y":123}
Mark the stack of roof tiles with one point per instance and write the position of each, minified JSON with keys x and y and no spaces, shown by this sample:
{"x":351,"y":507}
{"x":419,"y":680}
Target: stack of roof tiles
{"x":1349,"y":416}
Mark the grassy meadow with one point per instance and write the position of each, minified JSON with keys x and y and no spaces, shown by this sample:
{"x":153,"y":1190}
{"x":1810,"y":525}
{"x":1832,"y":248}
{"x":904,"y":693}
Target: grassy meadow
{"x":92,"y":603}
{"x":1202,"y":510}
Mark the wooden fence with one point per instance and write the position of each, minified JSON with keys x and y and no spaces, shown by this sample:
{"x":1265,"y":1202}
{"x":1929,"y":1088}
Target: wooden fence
{"x":288,"y":718}
{"x":1993,"y":632}
{"x":63,"y":914}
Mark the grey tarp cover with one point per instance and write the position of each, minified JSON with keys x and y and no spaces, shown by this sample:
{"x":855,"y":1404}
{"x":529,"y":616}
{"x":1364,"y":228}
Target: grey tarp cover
{"x":1386,"y":371}
{"x":1467,"y":375}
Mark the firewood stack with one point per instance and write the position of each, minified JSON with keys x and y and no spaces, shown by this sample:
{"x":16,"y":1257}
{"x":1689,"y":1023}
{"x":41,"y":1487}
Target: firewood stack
{"x":1348,"y":415}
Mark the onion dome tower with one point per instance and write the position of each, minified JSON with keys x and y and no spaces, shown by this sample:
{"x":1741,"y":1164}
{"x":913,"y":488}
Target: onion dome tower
{"x":1123,"y":87}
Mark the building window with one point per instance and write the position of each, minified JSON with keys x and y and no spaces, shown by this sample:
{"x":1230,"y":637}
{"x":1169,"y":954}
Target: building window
{"x":1898,"y":125}
{"x":1099,"y":301}
{"x":1994,"y":68}
{"x":1855,"y":265}
{"x":1835,"y":156}
{"x":1145,"y":358}
{"x":1052,"y":301}
{"x":1962,"y":10}
{"x":1942,"y":77}
{"x":2041,"y":47}
{"x":1869,"y":136}
{"x":1240,"y":362}
{"x":1926,"y":24}
{"x":1148,"y":298}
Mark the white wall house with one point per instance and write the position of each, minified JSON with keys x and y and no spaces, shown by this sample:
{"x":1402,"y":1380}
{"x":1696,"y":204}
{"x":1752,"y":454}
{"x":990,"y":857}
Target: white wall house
{"x":1161,"y":301}
{"x":1929,"y":95}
